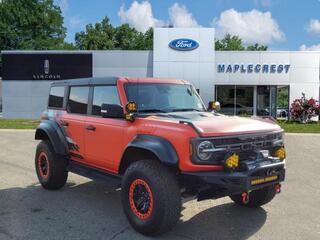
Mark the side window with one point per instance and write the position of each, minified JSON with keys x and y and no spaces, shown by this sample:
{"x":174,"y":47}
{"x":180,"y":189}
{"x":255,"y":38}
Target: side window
{"x":56,"y":97}
{"x":78,"y":100}
{"x":104,"y":94}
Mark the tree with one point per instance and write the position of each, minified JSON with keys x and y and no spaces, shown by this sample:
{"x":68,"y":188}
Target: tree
{"x":66,"y":46}
{"x":96,"y":37}
{"x":257,"y":47}
{"x":148,"y":39}
{"x":229,"y":43}
{"x":31,"y":25}
{"x":127,"y":38}
{"x":282,"y":97}
{"x":103,"y":36}
{"x":234,"y":43}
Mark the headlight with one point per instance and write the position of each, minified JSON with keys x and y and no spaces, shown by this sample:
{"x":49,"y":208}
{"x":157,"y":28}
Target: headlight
{"x":205,"y":150}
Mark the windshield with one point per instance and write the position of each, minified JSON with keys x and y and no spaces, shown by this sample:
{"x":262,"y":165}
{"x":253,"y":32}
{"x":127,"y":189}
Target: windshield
{"x":162,"y":97}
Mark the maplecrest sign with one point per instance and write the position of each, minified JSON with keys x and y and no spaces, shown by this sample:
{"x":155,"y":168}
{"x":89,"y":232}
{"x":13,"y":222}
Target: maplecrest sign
{"x":253,"y":68}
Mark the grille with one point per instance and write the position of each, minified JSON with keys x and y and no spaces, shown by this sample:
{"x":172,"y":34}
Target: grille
{"x":249,"y":142}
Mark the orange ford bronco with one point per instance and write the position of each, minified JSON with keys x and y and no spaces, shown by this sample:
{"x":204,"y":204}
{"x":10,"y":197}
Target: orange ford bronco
{"x":156,"y":140}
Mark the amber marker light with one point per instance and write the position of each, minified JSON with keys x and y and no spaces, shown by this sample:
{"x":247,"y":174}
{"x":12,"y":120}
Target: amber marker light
{"x":232,"y":161}
{"x":190,"y":149}
{"x":281,"y":153}
{"x":131,"y":107}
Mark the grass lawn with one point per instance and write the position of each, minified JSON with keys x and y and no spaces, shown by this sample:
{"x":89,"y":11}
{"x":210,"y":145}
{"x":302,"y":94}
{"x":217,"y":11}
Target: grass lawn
{"x":18,"y":123}
{"x":295,"y":127}
{"x":290,"y":127}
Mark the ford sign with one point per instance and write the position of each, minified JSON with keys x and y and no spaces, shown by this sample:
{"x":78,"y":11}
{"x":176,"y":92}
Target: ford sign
{"x":183,"y":44}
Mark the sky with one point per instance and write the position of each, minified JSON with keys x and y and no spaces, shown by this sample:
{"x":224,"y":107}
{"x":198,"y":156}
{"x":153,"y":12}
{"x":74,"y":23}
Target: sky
{"x":279,"y":24}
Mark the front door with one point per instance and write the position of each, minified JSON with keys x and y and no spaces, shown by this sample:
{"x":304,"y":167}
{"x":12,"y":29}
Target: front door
{"x":104,"y":136}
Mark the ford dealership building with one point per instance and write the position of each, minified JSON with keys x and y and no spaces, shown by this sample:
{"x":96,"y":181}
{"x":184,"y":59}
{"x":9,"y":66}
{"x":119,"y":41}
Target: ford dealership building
{"x":245,"y":82}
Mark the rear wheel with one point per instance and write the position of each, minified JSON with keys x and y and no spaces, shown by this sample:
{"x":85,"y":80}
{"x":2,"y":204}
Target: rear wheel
{"x":257,"y":197}
{"x":51,"y":170}
{"x":151,"y":197}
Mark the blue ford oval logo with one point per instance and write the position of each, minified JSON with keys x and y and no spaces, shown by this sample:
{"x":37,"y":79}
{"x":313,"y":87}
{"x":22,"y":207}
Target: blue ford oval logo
{"x":183,"y":44}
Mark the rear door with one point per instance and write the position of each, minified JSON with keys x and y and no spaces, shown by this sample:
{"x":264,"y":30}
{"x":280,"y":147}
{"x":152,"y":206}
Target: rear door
{"x":74,"y":120}
{"x":104,"y":136}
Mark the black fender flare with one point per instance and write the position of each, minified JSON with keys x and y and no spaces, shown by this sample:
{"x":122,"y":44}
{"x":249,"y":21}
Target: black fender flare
{"x":55,"y":134}
{"x":159,"y":146}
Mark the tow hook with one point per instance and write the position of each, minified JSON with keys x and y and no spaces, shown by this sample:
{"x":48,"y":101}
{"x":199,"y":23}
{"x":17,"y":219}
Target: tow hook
{"x":278,"y":188}
{"x":245,"y":197}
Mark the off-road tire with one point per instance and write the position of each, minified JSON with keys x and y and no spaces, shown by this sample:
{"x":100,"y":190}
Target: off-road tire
{"x":55,"y":175}
{"x":165,"y":192}
{"x":257,"y":197}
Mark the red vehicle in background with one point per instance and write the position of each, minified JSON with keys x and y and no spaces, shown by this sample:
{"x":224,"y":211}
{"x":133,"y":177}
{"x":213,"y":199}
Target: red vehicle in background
{"x":156,"y":140}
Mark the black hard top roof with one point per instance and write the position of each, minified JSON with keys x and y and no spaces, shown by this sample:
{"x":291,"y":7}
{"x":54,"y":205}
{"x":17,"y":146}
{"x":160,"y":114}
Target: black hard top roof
{"x":87,"y":81}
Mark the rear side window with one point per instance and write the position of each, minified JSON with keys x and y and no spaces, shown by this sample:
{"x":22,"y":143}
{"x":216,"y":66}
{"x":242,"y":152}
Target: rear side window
{"x":78,"y":100}
{"x":104,"y":94}
{"x":56,"y":97}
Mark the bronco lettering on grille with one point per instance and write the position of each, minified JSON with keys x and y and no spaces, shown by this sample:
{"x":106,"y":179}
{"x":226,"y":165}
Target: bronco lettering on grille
{"x":247,"y":143}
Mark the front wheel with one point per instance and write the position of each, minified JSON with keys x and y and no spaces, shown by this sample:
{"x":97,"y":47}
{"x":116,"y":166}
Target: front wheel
{"x":151,"y":197}
{"x":257,"y":197}
{"x":51,"y":170}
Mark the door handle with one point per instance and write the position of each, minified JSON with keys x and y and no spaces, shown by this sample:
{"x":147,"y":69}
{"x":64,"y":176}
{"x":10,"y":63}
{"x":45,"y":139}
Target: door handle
{"x":64,"y":123}
{"x":90,"y":128}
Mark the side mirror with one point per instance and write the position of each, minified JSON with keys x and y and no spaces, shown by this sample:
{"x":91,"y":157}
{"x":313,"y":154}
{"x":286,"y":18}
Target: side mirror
{"x":111,"y":111}
{"x":214,"y":106}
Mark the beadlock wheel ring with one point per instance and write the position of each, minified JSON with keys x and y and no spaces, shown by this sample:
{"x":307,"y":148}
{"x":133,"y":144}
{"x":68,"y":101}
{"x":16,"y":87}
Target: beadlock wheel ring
{"x":43,"y":165}
{"x":141,"y":199}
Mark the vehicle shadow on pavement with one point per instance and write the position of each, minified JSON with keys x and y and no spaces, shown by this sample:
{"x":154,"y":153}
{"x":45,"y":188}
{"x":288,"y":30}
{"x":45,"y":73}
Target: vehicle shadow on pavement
{"x":225,"y":221}
{"x":92,"y":211}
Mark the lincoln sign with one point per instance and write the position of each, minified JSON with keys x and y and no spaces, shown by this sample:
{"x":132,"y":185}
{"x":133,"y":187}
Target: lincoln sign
{"x":46,"y":66}
{"x":253,"y":68}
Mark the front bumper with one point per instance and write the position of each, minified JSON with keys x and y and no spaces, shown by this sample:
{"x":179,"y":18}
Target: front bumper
{"x":218,"y":184}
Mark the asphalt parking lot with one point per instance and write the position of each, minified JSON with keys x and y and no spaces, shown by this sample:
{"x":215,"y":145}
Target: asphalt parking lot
{"x":84,"y":209}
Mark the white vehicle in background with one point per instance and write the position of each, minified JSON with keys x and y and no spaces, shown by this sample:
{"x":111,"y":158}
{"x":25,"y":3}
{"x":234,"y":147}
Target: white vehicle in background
{"x":282,"y":113}
{"x":228,"y":108}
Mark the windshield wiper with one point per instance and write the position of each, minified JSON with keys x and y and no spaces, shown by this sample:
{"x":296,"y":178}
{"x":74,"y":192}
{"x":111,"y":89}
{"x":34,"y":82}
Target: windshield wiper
{"x":151,"y":111}
{"x":186,"y":110}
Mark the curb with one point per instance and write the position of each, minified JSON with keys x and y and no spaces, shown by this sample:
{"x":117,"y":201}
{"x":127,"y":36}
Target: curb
{"x":16,"y":130}
{"x":303,"y":134}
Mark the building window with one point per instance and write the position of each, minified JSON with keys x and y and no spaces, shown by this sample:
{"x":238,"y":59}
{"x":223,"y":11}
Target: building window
{"x":56,"y":97}
{"x":78,"y":100}
{"x":283,"y":102}
{"x":268,"y":100}
{"x":244,"y":100}
{"x":104,"y":94}
{"x":263,"y":100}
{"x":226,"y":96}
{"x":235,"y":100}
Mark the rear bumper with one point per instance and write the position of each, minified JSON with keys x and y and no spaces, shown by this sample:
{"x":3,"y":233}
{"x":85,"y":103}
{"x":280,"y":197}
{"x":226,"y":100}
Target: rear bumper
{"x":221,"y":183}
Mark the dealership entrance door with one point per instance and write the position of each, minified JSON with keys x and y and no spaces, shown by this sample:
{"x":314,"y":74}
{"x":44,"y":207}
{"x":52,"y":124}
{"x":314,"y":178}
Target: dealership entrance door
{"x":267,"y":101}
{"x":245,"y":100}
